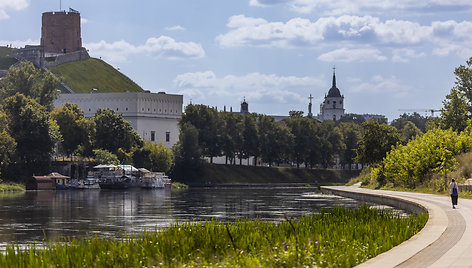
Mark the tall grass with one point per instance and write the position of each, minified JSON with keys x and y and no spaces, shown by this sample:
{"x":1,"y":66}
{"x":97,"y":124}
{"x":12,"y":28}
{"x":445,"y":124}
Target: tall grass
{"x":11,"y":187}
{"x":341,"y":237}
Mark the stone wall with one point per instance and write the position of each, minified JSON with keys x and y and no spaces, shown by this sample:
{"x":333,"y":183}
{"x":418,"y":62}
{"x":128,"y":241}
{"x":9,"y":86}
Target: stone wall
{"x":59,"y":59}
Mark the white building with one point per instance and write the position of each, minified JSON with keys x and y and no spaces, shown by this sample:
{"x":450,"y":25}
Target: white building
{"x":154,"y":116}
{"x":332,"y":107}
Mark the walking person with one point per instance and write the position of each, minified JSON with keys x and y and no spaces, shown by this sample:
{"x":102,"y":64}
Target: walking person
{"x":454,"y":191}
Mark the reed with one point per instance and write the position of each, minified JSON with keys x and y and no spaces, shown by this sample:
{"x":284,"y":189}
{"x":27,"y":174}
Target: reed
{"x":337,"y":238}
{"x":11,"y":187}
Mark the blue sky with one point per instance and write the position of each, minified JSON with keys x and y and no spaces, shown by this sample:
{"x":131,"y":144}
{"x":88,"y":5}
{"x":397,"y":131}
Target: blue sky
{"x":389,"y":55}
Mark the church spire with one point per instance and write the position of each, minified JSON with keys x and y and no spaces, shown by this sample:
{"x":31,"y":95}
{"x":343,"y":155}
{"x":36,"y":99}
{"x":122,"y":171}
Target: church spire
{"x":334,"y":76}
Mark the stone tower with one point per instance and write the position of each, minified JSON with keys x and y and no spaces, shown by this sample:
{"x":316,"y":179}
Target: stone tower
{"x":244,"y":107}
{"x":60,"y":32}
{"x":332,"y":107}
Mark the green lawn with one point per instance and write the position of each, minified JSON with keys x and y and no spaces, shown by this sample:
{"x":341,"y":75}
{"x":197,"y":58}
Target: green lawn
{"x":82,"y":76}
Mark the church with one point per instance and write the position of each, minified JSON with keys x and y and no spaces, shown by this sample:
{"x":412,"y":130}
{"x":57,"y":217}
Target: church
{"x":332,"y":107}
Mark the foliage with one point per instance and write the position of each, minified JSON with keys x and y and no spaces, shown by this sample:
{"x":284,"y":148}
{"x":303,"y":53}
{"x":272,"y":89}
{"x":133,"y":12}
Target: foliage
{"x":455,"y":112}
{"x":83,"y":76}
{"x":187,"y":155}
{"x":418,"y":120}
{"x":351,"y":135}
{"x":29,"y":81}
{"x":409,"y":131}
{"x":7,"y":144}
{"x":207,"y":122}
{"x":464,"y":82}
{"x":160,"y":157}
{"x":435,"y":151}
{"x":11,"y":187}
{"x":34,"y":133}
{"x":250,"y":137}
{"x":231,"y":135}
{"x":275,"y":140}
{"x":341,"y":238}
{"x":295,"y":114}
{"x":105,"y":157}
{"x":114,"y":132}
{"x":75,"y":129}
{"x":377,"y":139}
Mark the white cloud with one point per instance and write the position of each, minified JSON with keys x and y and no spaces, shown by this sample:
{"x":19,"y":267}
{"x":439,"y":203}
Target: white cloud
{"x":350,"y":55}
{"x":19,"y":43}
{"x":339,"y":7}
{"x":353,"y":32}
{"x":255,"y":86}
{"x":175,"y":28}
{"x":162,"y":47}
{"x":14,"y":5}
{"x":247,"y":31}
{"x":405,"y":54}
{"x":379,"y":85}
{"x":83,"y":20}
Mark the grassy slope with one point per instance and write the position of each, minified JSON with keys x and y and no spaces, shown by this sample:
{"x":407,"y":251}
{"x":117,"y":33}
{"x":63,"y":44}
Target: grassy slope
{"x":229,"y":174}
{"x":82,"y":76}
{"x":5,"y":61}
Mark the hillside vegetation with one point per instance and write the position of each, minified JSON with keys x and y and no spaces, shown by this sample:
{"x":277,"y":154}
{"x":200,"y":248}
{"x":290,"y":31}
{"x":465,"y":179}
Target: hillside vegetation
{"x":235,"y":174}
{"x":82,"y":76}
{"x":5,"y":60}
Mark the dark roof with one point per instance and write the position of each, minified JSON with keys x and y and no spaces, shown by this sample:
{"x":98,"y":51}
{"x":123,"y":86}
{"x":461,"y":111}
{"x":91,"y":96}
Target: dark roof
{"x":334,"y":91}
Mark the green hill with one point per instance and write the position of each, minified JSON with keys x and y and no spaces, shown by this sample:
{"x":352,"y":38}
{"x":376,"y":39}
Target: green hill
{"x":82,"y":76}
{"x":5,"y":60}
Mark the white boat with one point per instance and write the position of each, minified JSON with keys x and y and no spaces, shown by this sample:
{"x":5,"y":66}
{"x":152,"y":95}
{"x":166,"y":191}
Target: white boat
{"x":153,"y":180}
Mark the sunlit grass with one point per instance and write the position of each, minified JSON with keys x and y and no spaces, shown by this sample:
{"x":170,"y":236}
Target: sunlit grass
{"x":338,"y":238}
{"x":11,"y":187}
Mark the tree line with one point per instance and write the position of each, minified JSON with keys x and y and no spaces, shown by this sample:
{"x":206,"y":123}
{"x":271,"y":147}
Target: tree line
{"x":31,"y":130}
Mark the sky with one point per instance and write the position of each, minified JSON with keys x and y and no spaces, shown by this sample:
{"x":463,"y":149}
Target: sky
{"x":390,"y":55}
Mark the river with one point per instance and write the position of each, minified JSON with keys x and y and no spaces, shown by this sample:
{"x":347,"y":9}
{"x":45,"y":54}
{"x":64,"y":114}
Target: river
{"x":32,"y":216}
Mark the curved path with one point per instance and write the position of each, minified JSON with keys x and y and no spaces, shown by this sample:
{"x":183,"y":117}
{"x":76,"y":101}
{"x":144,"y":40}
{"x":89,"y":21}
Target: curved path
{"x":445,"y":241}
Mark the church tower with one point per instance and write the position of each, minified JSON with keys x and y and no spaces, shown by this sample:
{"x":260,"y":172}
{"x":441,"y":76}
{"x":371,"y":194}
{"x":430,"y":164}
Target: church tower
{"x":332,"y":107}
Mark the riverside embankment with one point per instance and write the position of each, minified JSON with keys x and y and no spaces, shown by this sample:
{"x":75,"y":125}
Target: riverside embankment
{"x":213,"y":174}
{"x":445,"y":241}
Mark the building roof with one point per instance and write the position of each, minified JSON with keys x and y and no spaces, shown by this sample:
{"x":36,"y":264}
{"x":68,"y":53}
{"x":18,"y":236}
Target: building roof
{"x":334,"y":91}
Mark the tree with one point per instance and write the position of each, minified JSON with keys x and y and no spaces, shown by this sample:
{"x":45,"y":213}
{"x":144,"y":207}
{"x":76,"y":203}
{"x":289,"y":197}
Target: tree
{"x":250,"y":138}
{"x":29,"y":81}
{"x":351,"y":133}
{"x":455,"y":112}
{"x":113,"y":132}
{"x":303,"y":132}
{"x":75,"y":129}
{"x":7,"y":145}
{"x":105,"y":157}
{"x":160,"y":157}
{"x":331,"y":142}
{"x":464,"y":82}
{"x":418,"y":120}
{"x":295,"y":114}
{"x":187,"y":153}
{"x":209,"y":126}
{"x":231,"y":135}
{"x":409,"y":131}
{"x":377,"y":139}
{"x":275,"y":140}
{"x":34,"y":133}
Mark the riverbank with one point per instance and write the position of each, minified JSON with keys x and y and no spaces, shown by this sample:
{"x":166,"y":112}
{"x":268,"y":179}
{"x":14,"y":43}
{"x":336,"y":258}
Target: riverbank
{"x":214,"y":174}
{"x":11,"y":187}
{"x":343,"y":237}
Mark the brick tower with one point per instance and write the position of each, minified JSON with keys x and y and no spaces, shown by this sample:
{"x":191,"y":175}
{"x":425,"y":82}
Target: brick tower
{"x":60,"y":32}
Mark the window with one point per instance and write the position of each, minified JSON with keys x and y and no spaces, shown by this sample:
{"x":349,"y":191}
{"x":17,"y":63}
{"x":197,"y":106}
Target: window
{"x":167,"y":136}
{"x":153,"y":135}
{"x":334,"y":117}
{"x":334,"y":104}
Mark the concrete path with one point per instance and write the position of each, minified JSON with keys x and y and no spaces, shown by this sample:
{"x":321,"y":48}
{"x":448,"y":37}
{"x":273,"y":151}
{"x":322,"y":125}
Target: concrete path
{"x":445,"y":241}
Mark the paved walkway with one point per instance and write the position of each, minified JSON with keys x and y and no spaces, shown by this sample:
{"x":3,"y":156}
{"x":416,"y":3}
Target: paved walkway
{"x":445,"y":241}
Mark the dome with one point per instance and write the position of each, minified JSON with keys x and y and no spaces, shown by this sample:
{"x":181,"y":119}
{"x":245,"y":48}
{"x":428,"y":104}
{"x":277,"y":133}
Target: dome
{"x":334,"y":92}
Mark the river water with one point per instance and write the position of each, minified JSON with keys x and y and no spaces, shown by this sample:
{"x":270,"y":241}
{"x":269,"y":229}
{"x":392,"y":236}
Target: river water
{"x":31,"y":217}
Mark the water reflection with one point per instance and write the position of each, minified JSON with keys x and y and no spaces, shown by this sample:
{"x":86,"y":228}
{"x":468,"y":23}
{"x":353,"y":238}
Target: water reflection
{"x":30,"y":217}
